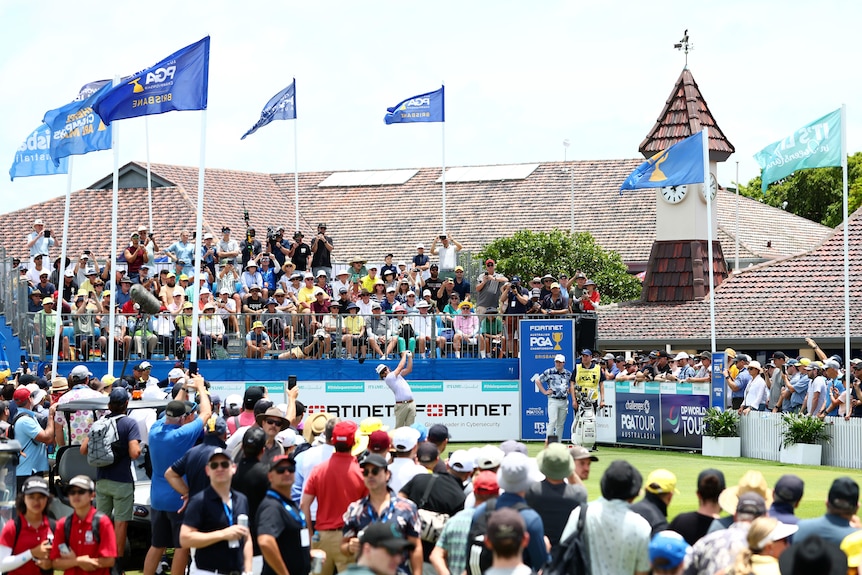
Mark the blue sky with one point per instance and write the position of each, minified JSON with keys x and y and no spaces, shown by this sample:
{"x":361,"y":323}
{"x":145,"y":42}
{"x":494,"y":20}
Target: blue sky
{"x":520,"y":78}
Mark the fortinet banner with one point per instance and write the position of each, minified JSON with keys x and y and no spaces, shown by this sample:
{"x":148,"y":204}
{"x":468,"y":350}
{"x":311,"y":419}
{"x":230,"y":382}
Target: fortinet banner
{"x":473,"y":410}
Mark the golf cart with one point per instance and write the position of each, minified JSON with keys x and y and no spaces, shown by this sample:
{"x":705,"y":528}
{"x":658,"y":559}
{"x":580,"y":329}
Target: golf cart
{"x":9,"y":450}
{"x":70,"y":462}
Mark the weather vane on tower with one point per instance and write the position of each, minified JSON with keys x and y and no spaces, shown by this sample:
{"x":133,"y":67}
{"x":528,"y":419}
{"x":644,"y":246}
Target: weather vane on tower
{"x":685,"y":45}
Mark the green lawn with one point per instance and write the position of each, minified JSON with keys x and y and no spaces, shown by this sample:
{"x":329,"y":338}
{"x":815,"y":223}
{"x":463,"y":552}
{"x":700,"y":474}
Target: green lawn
{"x":688,"y":465}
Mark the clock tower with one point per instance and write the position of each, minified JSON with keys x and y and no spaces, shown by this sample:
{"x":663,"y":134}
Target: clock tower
{"x":677,"y":269}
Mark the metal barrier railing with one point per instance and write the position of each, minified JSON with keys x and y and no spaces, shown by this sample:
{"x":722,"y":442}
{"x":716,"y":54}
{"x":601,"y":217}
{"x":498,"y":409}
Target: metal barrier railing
{"x":289,"y":336}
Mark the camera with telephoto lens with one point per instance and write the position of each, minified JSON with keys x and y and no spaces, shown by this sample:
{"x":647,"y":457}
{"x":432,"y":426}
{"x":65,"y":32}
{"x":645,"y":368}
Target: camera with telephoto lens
{"x":272,"y":234}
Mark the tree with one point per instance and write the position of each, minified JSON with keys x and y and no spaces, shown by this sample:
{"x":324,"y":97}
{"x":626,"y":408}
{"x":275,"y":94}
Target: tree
{"x":814,"y":194}
{"x":529,"y":254}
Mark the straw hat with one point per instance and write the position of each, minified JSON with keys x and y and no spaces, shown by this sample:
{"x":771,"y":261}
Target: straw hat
{"x":752,"y":481}
{"x":314,"y":425}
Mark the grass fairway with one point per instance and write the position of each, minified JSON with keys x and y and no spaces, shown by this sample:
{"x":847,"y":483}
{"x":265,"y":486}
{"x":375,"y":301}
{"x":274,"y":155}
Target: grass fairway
{"x":687,"y":466}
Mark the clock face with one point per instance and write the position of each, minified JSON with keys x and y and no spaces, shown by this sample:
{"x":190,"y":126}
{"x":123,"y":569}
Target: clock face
{"x":674,"y":194}
{"x":713,"y":188}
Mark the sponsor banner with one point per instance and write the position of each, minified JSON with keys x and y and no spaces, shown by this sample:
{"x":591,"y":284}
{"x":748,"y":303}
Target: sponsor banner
{"x":606,"y":423}
{"x":718,"y":389}
{"x":638,"y":418}
{"x":541,"y":340}
{"x":682,"y":420}
{"x":477,"y":411}
{"x":649,"y":387}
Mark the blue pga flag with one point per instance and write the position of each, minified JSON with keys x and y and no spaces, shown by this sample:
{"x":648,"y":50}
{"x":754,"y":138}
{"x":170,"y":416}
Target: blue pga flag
{"x":33,"y":157}
{"x":677,"y":165}
{"x":422,"y":108}
{"x":282,"y":106}
{"x":76,"y":129}
{"x":179,"y":82}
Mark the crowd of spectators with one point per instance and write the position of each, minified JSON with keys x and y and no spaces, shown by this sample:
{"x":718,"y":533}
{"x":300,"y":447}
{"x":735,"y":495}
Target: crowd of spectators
{"x":285,"y":298}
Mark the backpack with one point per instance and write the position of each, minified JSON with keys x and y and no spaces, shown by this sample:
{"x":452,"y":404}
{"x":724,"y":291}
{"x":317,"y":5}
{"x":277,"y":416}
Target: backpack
{"x":94,"y":527}
{"x":103,"y":441}
{"x":10,"y":433}
{"x":571,"y":556}
{"x":478,"y":555}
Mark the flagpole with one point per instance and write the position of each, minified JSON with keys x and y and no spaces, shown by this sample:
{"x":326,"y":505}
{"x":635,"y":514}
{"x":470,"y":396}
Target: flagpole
{"x":149,"y":177}
{"x":295,"y":174}
{"x":61,"y":269}
{"x":444,"y":156}
{"x":112,"y":321}
{"x":736,"y":242}
{"x":708,"y":193}
{"x":844,"y":201}
{"x":199,"y":232}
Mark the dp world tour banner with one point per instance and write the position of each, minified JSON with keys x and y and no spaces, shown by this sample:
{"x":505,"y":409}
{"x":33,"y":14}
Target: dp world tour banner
{"x":682,"y":414}
{"x":541,"y":340}
{"x":473,"y":410}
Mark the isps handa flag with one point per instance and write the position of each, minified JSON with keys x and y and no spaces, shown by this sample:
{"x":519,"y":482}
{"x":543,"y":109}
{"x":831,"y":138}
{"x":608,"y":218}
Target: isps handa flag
{"x":33,"y":157}
{"x":76,"y":129}
{"x":677,"y":165}
{"x":422,"y":108}
{"x":179,"y":82}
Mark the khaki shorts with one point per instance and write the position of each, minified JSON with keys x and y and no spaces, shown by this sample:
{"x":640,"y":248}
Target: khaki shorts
{"x":115,"y":496}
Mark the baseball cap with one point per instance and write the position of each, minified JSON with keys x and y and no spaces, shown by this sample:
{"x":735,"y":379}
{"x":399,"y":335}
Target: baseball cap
{"x":251,"y":396}
{"x":279,"y":459}
{"x":218,"y":451}
{"x":21,"y":394}
{"x":344,"y":433}
{"x":560,"y":357}
{"x":681,"y":355}
{"x":79,"y":372}
{"x":489,"y":457}
{"x":380,"y":368}
{"x":375,"y":460}
{"x":751,"y":503}
{"x":461,"y":461}
{"x":378,"y":442}
{"x":427,"y":452}
{"x":83,"y":482}
{"x":404,"y":439}
{"x":486,"y":482}
{"x":789,"y":488}
{"x":586,"y":351}
{"x":661,"y":481}
{"x":178,"y":408}
{"x":505,"y":524}
{"x":215,"y":426}
{"x":118,"y":395}
{"x":779,"y":532}
{"x":844,"y":494}
{"x":579,"y":452}
{"x":438,"y":433}
{"x":512,"y":446}
{"x":35,"y":484}
{"x":144,"y":365}
{"x":667,"y":550}
{"x":387,"y":535}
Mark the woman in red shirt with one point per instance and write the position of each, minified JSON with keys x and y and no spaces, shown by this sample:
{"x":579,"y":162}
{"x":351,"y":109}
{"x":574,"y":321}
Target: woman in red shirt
{"x":27,"y":552}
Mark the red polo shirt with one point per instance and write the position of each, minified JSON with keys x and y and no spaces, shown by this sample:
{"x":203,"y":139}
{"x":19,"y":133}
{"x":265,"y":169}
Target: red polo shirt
{"x":83,"y":542}
{"x":28,"y":539}
{"x":336,"y":483}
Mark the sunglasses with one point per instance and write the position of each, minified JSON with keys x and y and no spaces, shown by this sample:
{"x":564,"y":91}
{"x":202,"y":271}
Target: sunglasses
{"x":224,"y":464}
{"x":454,"y":297}
{"x":285,"y":468}
{"x":370,"y":471}
{"x":489,"y":265}
{"x":273,"y":422}
{"x":73,"y":492}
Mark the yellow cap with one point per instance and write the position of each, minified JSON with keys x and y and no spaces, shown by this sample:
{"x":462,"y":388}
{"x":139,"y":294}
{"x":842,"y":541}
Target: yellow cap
{"x":661,"y":481}
{"x":729,"y":352}
{"x":852,"y":547}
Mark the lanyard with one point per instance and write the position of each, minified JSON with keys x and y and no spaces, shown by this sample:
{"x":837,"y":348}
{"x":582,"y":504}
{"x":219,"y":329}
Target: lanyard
{"x":298,"y":516}
{"x":228,"y":513}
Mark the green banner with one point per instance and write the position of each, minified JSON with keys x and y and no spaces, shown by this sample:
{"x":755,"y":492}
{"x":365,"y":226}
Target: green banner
{"x":817,"y":145}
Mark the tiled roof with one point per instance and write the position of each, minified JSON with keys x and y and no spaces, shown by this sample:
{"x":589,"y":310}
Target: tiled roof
{"x":774,"y":303}
{"x":369,"y":221}
{"x":677,"y":270}
{"x":685,"y":113}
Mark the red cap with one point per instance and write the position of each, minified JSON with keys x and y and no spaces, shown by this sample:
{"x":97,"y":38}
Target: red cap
{"x":21,"y":394}
{"x":378,"y":442}
{"x":345,"y":433}
{"x":489,"y":261}
{"x":486,"y":482}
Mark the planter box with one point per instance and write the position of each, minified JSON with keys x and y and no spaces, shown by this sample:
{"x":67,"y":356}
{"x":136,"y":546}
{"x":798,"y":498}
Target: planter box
{"x":721,"y":446}
{"x":801,"y":454}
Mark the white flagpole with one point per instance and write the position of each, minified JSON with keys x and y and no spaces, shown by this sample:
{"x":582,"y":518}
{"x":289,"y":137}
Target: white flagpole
{"x":444,"y":157}
{"x":198,"y":233}
{"x":112,"y":322}
{"x":736,"y":241}
{"x":708,"y":192}
{"x":149,"y":178}
{"x":844,"y":206}
{"x":295,"y":169}
{"x":61,"y":269}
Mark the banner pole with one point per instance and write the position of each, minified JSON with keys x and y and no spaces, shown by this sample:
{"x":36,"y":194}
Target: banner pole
{"x":61,"y":269}
{"x":295,"y":172}
{"x":149,"y":177}
{"x":443,"y":138}
{"x":112,"y":321}
{"x":844,"y":205}
{"x":198,"y":233}
{"x":708,"y":193}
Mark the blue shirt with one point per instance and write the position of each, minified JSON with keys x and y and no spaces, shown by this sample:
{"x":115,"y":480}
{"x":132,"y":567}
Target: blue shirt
{"x":743,"y":378}
{"x":166,"y":442}
{"x":536,"y":555}
{"x":191,"y":464}
{"x":799,"y":383}
{"x":558,"y":381}
{"x":836,"y":383}
{"x":184,"y":252}
{"x":34,"y":454}
{"x":830,"y":527}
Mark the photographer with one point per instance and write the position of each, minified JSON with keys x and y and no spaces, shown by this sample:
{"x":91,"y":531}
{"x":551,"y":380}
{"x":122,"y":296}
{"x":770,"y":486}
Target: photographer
{"x":148,"y":240}
{"x":448,"y":253}
{"x":300,"y":252}
{"x":209,"y":253}
{"x":39,"y":241}
{"x":488,"y":287}
{"x":321,"y":248}
{"x":249,"y":248}
{"x":278,"y":246}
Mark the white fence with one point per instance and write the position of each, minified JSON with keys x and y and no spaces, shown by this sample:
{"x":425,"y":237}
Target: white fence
{"x":761,"y":439}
